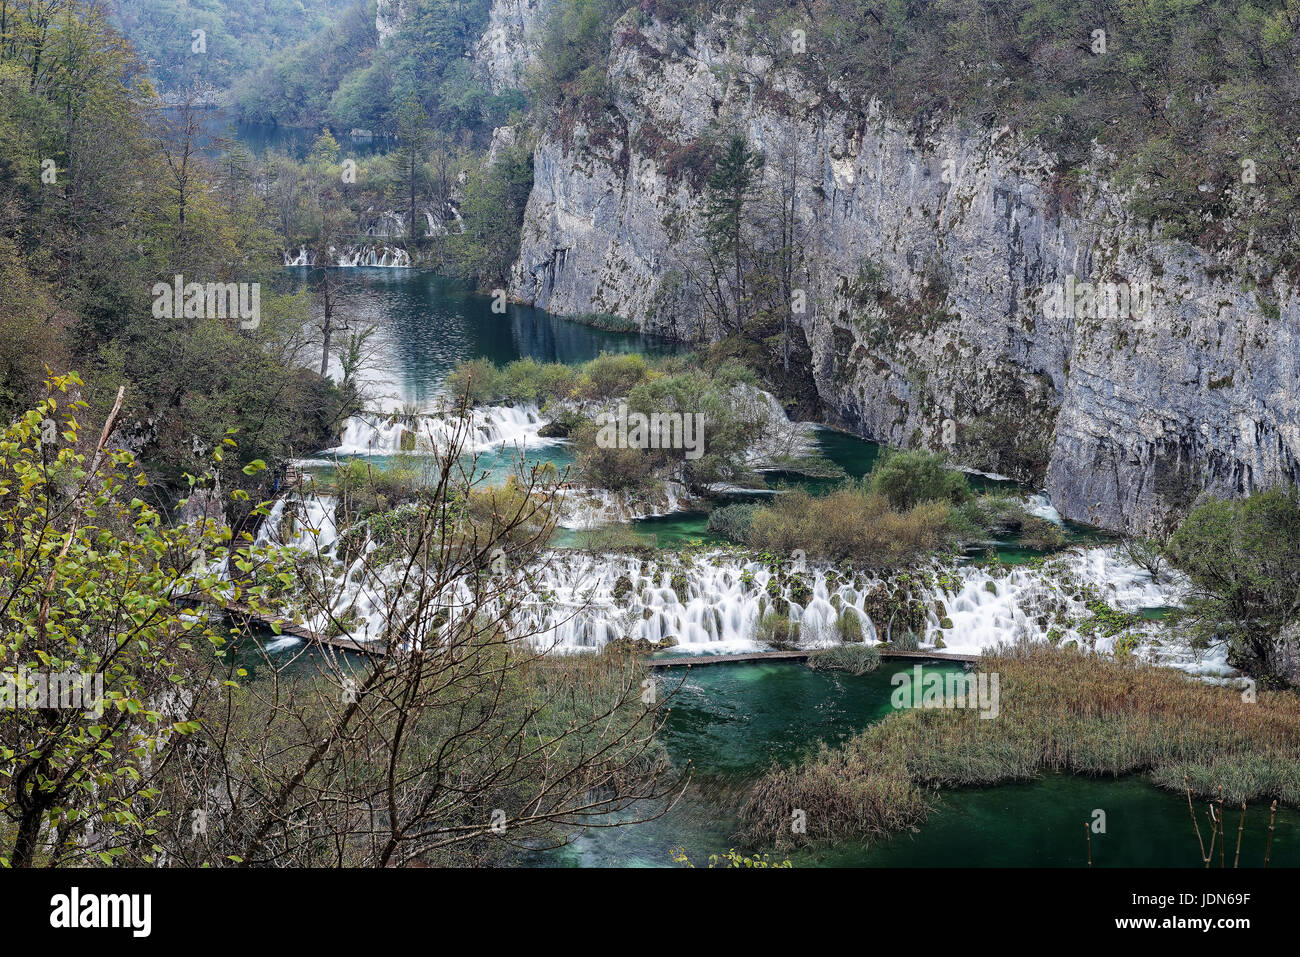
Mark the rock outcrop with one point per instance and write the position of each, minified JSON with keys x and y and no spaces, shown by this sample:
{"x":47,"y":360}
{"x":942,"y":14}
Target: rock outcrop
{"x":509,"y":46}
{"x":389,"y":16}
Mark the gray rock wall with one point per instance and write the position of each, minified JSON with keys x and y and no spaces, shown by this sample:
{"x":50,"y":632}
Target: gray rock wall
{"x":929,"y":260}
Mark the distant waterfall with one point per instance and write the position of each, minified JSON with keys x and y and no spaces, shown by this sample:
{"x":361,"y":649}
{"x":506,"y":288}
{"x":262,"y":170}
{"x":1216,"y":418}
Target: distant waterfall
{"x":378,"y":255}
{"x":588,"y":507}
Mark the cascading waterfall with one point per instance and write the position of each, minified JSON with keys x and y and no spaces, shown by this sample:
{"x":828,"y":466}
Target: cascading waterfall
{"x":589,"y":507}
{"x":712,"y":603}
{"x":379,"y":255}
{"x":488,"y":428}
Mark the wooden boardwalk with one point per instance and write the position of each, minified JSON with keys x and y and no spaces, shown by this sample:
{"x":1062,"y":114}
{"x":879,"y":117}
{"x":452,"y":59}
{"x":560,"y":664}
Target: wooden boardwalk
{"x":701,"y":660}
{"x":232,"y":610}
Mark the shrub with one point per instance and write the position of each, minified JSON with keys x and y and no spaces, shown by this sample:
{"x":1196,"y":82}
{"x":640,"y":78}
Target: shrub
{"x":733,"y":521}
{"x":1243,"y":558}
{"x":614,"y":469}
{"x":851,"y":524}
{"x":905,"y":641}
{"x":1039,"y":533}
{"x":910,"y":478}
{"x":611,"y":376}
{"x":850,"y":627}
{"x":777,"y":630}
{"x":524,"y":380}
{"x":855,"y":659}
{"x":363,"y":488}
{"x":614,"y":538}
{"x":480,"y":379}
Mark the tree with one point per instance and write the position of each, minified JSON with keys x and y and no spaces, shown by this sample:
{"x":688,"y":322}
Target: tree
{"x":1243,"y":557}
{"x":102,"y":663}
{"x":413,"y":134}
{"x":493,"y":214}
{"x":458,"y":736}
{"x":791,"y":241}
{"x":730,"y":189}
{"x":908,"y":478}
{"x":454,"y":740}
{"x":178,"y":142}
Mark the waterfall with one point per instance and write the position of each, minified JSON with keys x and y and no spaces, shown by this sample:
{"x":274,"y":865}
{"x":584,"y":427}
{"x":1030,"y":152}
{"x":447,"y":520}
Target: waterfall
{"x":712,"y":603}
{"x":305,"y":522}
{"x":720,"y":598}
{"x":378,"y":255}
{"x":588,"y":507}
{"x":383,"y":256}
{"x":1038,"y":504}
{"x":489,"y":427}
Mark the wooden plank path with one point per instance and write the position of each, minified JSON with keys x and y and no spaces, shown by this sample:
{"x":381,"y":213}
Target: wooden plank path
{"x":230,"y":609}
{"x":306,"y":635}
{"x":693,"y":660}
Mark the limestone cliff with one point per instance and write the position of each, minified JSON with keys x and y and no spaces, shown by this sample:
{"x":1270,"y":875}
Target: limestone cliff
{"x":389,"y":16}
{"x":934,"y":265}
{"x":509,"y":46}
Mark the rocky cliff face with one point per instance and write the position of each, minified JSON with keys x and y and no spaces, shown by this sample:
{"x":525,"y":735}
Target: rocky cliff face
{"x":943,"y":272}
{"x":389,"y":16}
{"x":510,"y":43}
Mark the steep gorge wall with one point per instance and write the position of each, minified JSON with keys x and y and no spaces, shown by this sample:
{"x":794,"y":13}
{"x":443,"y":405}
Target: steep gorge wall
{"x":927,"y":257}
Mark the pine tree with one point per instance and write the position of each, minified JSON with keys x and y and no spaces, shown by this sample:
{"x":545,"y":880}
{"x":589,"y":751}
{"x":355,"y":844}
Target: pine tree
{"x":728,"y":193}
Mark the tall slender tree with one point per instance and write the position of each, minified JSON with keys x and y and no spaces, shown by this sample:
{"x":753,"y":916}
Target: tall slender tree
{"x":729,"y":192}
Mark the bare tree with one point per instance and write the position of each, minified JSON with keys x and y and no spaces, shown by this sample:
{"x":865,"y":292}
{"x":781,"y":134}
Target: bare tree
{"x":178,"y":138}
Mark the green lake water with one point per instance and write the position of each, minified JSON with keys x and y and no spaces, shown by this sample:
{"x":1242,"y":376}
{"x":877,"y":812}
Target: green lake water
{"x":732,"y":722}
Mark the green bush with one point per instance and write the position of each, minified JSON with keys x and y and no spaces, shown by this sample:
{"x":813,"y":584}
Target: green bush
{"x":855,"y":659}
{"x":851,"y":523}
{"x":850,"y":627}
{"x":905,"y":641}
{"x":909,"y":478}
{"x":1243,"y":557}
{"x":777,"y":630}
{"x":733,"y":521}
{"x":479,"y":379}
{"x":613,"y":376}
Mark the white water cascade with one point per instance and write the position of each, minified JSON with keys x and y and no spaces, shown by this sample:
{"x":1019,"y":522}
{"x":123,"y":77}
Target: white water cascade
{"x":582,"y":507}
{"x":712,"y":603}
{"x":376,"y":255}
{"x":490,"y":427}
